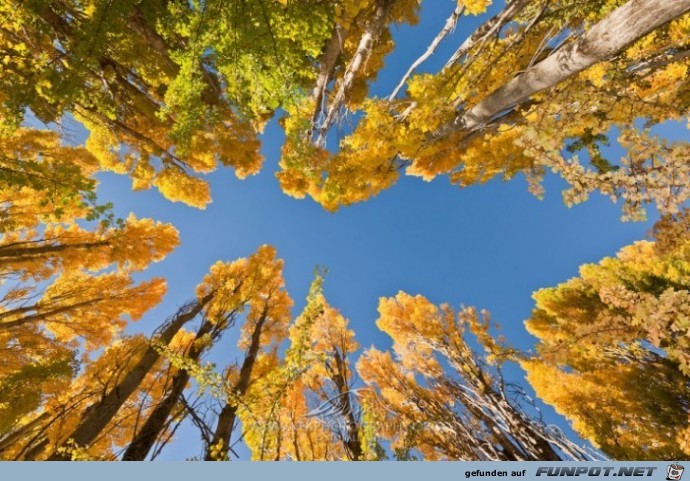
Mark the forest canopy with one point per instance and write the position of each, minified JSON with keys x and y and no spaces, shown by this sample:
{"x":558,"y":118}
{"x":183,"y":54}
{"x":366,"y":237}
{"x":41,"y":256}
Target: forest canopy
{"x":167,"y":92}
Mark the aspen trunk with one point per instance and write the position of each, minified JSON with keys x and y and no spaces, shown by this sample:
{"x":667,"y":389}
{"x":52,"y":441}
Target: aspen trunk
{"x":226,"y":419}
{"x":139,"y":448}
{"x":371,"y":35}
{"x":607,"y":38}
{"x":327,"y":64}
{"x":98,"y":415}
{"x":14,"y":254}
{"x":352,"y":442}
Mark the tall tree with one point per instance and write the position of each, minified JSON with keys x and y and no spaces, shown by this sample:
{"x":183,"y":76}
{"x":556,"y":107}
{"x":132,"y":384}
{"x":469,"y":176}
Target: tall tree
{"x":535,"y":79}
{"x":305,"y":407}
{"x":267,"y":305}
{"x":616,"y":337}
{"x":441,"y":399}
{"x":265,"y":327}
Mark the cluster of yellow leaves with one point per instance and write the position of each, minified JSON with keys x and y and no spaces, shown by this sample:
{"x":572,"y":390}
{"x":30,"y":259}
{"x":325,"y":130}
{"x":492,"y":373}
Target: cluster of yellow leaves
{"x":94,"y":308}
{"x":254,"y":284}
{"x":433,"y":388}
{"x":279,"y":426}
{"x":639,"y":295}
{"x":42,"y":180}
{"x":69,"y":247}
{"x":620,"y":408}
{"x":118,"y":71}
{"x":475,"y":7}
{"x":600,"y":335}
{"x":150,"y":161}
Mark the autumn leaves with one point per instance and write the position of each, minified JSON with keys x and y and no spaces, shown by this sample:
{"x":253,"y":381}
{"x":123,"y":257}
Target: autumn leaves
{"x":170,"y":91}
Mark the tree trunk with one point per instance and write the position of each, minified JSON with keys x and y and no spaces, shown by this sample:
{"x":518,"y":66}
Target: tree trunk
{"x":327,"y":64}
{"x":226,"y":419}
{"x":487,"y":29}
{"x":351,"y":441}
{"x":371,"y":35}
{"x":98,"y":415}
{"x":607,"y":38}
{"x":139,"y":448}
{"x":14,"y":254}
{"x":22,"y":432}
{"x":41,"y":316}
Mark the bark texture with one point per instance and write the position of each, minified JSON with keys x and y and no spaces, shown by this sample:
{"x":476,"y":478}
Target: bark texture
{"x":98,"y":415}
{"x":607,"y":38}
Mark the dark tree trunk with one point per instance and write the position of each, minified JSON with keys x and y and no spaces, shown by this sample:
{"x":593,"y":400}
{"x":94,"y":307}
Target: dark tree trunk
{"x":98,"y":415}
{"x":226,"y":419}
{"x":146,"y":437}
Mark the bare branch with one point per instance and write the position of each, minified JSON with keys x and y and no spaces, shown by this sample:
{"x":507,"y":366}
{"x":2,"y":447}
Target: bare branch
{"x":487,"y":29}
{"x":372,"y":32}
{"x":447,"y":28}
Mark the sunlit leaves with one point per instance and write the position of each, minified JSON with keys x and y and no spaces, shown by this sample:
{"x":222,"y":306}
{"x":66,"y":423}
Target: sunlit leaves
{"x":616,"y":338}
{"x":440,"y":397}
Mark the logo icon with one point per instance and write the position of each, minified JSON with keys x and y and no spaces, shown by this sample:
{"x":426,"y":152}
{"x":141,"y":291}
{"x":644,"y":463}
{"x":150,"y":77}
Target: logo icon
{"x":674,"y":472}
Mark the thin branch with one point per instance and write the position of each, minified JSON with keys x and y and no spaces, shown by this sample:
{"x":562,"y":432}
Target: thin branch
{"x":372,"y":33}
{"x":449,"y":26}
{"x":488,"y":29}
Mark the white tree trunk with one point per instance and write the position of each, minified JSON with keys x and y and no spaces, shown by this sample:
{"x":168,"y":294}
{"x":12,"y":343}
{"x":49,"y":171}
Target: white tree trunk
{"x":488,"y":28}
{"x":449,"y":26}
{"x":607,"y":38}
{"x":371,"y":35}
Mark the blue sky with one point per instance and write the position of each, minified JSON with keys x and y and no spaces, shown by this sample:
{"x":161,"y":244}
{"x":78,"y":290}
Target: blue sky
{"x":490,"y":246}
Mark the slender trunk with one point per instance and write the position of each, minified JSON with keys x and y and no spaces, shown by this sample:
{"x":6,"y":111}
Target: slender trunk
{"x":371,"y":35}
{"x":43,"y":315}
{"x":489,"y":28}
{"x":326,"y":65}
{"x":522,"y":430}
{"x":226,"y":419}
{"x":139,"y":448}
{"x":155,"y":423}
{"x":352,"y":442}
{"x":15,"y":254}
{"x":22,"y":432}
{"x":98,"y":415}
{"x":36,"y":450}
{"x":607,"y":38}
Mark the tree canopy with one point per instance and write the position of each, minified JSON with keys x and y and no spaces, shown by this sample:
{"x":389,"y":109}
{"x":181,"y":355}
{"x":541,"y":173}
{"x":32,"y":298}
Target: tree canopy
{"x":168,"y":92}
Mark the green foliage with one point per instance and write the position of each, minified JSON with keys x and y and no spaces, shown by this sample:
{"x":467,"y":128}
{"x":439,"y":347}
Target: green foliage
{"x":23,"y":391}
{"x":171,"y":90}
